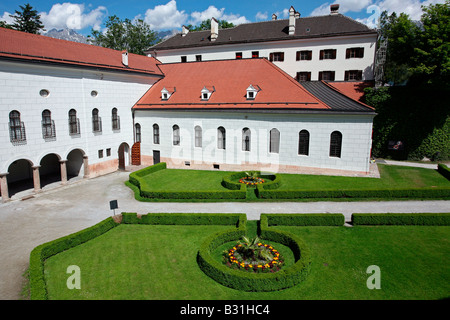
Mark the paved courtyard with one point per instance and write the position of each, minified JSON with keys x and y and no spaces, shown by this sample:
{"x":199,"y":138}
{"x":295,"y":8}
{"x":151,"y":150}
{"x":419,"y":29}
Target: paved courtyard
{"x":61,"y":210}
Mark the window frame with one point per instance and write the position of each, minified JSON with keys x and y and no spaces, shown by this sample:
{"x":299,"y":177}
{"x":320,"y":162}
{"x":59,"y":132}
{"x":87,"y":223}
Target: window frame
{"x":303,"y":142}
{"x":198,"y":136}
{"x":336,"y":144}
{"x":155,"y":133}
{"x":176,"y":139}
{"x":274,"y":140}
{"x":221,"y":138}
{"x":246,"y":139}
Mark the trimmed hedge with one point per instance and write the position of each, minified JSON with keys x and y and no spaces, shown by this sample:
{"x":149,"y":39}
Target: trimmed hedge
{"x":185,"y":219}
{"x":431,"y":193}
{"x":428,"y":219}
{"x":38,"y":290}
{"x":134,"y":176}
{"x":307,"y":219}
{"x":240,"y":280}
{"x":444,"y":170}
{"x":275,"y":180}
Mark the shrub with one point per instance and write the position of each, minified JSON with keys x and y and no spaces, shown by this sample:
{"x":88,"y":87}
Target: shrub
{"x":134,"y":176}
{"x":430,"y":219}
{"x":313,"y":219}
{"x":272,"y":181}
{"x":444,"y":170}
{"x":184,"y":219}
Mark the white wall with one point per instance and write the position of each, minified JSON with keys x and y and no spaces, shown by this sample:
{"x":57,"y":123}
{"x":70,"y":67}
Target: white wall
{"x":356,"y":131}
{"x":290,"y":47}
{"x":20,"y":84}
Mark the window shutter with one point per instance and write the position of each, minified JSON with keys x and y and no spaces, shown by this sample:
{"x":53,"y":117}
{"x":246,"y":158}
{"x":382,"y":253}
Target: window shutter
{"x":271,"y":57}
{"x":281,"y":56}
{"x":332,"y":73}
{"x":297,"y":55}
{"x":346,"y":75}
{"x":360,"y":75}
{"x":333,"y":54}
{"x":309,"y":55}
{"x":320,"y":75}
{"x":347,"y":54}
{"x":321,"y":54}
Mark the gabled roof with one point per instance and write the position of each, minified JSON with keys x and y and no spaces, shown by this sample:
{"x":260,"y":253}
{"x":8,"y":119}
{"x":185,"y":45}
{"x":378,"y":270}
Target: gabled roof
{"x":274,"y":30}
{"x":231,"y":78}
{"x":21,"y":46}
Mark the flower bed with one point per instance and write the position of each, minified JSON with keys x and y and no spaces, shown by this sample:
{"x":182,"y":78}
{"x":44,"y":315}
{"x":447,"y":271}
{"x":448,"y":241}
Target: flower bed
{"x":251,"y":180}
{"x":259,"y":257}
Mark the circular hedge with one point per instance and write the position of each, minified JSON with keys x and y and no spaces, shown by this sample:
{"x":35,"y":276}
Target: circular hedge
{"x":231,"y":181}
{"x":245,"y":281}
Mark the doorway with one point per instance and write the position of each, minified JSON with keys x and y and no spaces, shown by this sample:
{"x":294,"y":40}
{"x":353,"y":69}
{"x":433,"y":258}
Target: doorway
{"x":156,"y":156}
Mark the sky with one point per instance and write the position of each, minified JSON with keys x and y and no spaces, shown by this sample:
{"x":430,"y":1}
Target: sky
{"x":164,"y":15}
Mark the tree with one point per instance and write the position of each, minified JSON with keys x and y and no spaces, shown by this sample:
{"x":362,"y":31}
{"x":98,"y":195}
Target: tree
{"x":27,"y":20}
{"x":418,"y":52}
{"x":125,"y":35}
{"x":206,"y":25}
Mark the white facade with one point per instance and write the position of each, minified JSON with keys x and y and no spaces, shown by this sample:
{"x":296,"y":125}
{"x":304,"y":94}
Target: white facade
{"x":81,"y":89}
{"x":290,"y":48}
{"x":355,"y":129}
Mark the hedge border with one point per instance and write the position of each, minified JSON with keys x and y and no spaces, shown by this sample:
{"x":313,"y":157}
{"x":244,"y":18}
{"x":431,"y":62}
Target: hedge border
{"x":444,"y":170}
{"x":227,"y":181}
{"x":237,"y":279}
{"x":306,"y":219}
{"x":38,"y":289}
{"x":424,"y":219}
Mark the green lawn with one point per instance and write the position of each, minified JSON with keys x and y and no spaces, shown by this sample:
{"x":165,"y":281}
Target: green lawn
{"x":159,"y":262}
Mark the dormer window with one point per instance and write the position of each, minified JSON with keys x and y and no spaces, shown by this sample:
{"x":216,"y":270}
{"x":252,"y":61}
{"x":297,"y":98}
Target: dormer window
{"x":207,"y":92}
{"x":252,"y":92}
{"x":166,"y":93}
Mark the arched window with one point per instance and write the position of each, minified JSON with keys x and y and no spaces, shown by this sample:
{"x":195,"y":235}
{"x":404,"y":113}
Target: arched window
{"x":96,"y":121}
{"x":16,"y":127}
{"x":303,"y":142}
{"x":176,"y":135}
{"x":155,"y":133}
{"x":74,"y":122}
{"x":198,"y":136}
{"x":246,"y":138}
{"x":137,"y":132}
{"x":115,"y":119}
{"x":274,"y":144}
{"x":48,"y":126}
{"x":335,"y":144}
{"x":221,"y":138}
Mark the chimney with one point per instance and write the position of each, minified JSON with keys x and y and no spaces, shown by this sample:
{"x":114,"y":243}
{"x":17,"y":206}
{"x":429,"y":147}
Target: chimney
{"x":184,"y":31}
{"x":125,"y":58}
{"x":291,"y":21}
{"x":274,"y":17}
{"x":334,"y":9}
{"x":214,"y":29}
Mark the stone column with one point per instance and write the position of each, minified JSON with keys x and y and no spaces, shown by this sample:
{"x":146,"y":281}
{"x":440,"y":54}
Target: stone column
{"x":36,"y":179}
{"x":86,"y":167}
{"x":63,"y":171}
{"x":4,"y":186}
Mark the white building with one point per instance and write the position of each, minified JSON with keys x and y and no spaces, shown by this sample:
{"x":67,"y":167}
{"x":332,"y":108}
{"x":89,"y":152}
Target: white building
{"x":65,"y":109}
{"x":331,"y":47}
{"x":250,"y":115}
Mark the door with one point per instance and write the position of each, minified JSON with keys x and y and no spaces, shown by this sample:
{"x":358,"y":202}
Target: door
{"x":156,"y":156}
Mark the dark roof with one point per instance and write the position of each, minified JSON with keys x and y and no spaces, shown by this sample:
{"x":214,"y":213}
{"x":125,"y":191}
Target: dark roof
{"x":332,"y":97}
{"x":308,"y":27}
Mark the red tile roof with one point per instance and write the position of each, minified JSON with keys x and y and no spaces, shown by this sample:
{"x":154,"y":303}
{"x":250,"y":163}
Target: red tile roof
{"x":354,"y":90}
{"x":230,"y":79}
{"x":31,"y":47}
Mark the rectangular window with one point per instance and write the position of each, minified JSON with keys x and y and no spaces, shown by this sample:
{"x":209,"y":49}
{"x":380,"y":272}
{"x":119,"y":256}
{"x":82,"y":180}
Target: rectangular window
{"x":255,"y":54}
{"x":100,"y":154}
{"x":353,"y":75}
{"x":327,"y":54}
{"x":183,"y":59}
{"x":198,"y":57}
{"x":354,"y":53}
{"x":303,"y":76}
{"x":238,"y":55}
{"x":108,"y":152}
{"x":326,"y":75}
{"x":276,"y":56}
{"x":304,"y":55}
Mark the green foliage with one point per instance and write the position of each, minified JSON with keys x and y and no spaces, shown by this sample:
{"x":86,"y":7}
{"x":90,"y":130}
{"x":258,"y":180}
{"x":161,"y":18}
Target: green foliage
{"x":135,"y":37}
{"x":183,"y":219}
{"x":418,"y":54}
{"x":39,"y":254}
{"x":444,"y":170}
{"x":206,"y":25}
{"x":419,"y":117}
{"x":429,"y":219}
{"x":306,"y":219}
{"x":27,"y":20}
